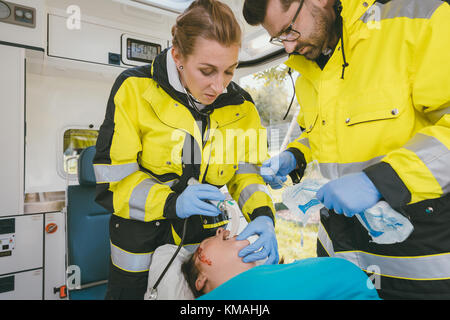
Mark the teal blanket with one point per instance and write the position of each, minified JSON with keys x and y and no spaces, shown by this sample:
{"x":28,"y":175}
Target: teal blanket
{"x":308,"y":279}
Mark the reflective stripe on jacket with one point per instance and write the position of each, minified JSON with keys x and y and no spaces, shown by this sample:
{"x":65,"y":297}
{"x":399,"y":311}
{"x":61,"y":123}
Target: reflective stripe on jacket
{"x":389,"y":116}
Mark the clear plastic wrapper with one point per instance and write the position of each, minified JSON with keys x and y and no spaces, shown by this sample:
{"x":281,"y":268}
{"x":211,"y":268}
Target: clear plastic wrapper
{"x":301,"y":198}
{"x":384,"y":224}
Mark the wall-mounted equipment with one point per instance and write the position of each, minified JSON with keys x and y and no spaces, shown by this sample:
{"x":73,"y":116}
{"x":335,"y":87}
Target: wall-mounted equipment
{"x":138,"y":51}
{"x":7,"y":237}
{"x":17,"y":14}
{"x":116,"y":46}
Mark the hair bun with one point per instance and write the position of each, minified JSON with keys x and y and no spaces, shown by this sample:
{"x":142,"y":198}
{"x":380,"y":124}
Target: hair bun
{"x":209,"y":19}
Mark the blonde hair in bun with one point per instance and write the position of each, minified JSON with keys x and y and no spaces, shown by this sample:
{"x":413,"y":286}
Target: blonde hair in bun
{"x":208,"y":19}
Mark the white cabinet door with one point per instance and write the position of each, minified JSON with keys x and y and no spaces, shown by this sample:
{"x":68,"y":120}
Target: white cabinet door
{"x":21,"y":286}
{"x":12,"y":100}
{"x":54,"y":254}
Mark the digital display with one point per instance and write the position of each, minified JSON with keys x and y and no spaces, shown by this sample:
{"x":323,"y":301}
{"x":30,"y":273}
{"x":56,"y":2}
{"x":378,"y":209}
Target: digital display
{"x":142,"y":51}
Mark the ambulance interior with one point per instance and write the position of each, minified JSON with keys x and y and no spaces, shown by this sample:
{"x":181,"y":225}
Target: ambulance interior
{"x":59,"y":60}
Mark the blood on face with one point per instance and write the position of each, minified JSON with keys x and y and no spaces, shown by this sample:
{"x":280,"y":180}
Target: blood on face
{"x":201,"y":256}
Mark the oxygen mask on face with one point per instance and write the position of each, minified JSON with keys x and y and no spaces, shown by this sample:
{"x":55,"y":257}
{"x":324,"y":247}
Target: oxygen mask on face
{"x":229,"y":211}
{"x":232,"y":211}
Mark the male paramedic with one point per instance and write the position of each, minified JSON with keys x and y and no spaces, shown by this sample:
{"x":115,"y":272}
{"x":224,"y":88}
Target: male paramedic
{"x":374,"y":91}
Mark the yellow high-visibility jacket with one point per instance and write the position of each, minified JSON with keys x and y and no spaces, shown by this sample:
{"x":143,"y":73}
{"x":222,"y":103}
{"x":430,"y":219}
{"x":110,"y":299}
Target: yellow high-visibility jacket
{"x":151,"y":140}
{"x":386,"y":113}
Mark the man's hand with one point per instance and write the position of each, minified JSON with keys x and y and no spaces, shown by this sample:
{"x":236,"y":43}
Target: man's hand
{"x":349,"y":194}
{"x":280,"y":165}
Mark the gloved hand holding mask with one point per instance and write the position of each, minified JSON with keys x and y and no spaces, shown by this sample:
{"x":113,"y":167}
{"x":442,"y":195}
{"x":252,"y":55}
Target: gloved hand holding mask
{"x":263,"y":227}
{"x":193,"y":201}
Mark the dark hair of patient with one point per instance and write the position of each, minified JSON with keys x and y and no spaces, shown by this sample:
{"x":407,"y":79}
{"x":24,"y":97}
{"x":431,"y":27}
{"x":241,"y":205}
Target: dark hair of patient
{"x":190,"y":272}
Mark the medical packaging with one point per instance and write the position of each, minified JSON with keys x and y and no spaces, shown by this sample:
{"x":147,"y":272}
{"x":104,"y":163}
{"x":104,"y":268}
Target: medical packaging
{"x":301,"y":198}
{"x":384,"y":224}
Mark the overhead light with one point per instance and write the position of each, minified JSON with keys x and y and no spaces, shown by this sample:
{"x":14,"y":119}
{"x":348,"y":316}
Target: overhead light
{"x":176,"y":6}
{"x":257,"y":44}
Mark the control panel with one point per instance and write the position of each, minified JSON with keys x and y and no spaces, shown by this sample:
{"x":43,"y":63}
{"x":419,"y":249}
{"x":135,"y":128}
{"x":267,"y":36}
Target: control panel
{"x":138,"y":51}
{"x":7,"y":237}
{"x":17,"y":14}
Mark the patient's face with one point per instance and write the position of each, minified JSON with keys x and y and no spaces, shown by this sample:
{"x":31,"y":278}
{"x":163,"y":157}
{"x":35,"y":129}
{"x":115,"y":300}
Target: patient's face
{"x":217,"y":258}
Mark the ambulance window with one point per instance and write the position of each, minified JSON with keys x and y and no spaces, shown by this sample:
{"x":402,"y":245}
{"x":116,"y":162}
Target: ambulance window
{"x":75,"y":140}
{"x":272,"y":91}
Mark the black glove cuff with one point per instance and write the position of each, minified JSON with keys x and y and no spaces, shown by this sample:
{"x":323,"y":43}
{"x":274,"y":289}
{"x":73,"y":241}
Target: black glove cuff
{"x":263,"y":211}
{"x":297,"y":174}
{"x":170,"y":207}
{"x":389,"y":184}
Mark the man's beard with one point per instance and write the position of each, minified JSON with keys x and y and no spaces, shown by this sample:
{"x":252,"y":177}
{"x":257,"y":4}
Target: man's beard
{"x":319,"y":36}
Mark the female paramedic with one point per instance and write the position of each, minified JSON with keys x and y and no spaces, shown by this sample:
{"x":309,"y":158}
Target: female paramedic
{"x":180,"y":118}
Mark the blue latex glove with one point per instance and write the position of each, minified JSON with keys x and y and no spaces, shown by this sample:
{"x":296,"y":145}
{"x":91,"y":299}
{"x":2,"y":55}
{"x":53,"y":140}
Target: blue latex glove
{"x":267,"y":241}
{"x":190,"y":202}
{"x":349,"y":194}
{"x":281,"y":165}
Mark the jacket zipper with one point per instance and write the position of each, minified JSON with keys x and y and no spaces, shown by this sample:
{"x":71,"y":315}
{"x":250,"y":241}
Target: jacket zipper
{"x":208,"y":127}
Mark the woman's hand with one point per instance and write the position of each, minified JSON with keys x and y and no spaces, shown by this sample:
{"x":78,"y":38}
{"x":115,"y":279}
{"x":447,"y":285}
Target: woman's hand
{"x":267,"y":241}
{"x":191,"y":201}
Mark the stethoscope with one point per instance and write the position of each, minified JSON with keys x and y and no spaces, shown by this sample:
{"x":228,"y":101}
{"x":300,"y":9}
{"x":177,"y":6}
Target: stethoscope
{"x":293,"y":95}
{"x":154,"y":291}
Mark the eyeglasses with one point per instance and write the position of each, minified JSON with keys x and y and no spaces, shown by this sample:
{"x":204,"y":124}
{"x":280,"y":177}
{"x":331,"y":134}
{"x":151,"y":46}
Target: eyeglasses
{"x":289,"y":34}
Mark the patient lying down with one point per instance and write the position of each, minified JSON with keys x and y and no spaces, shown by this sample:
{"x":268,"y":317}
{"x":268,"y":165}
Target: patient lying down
{"x":215,"y":272}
